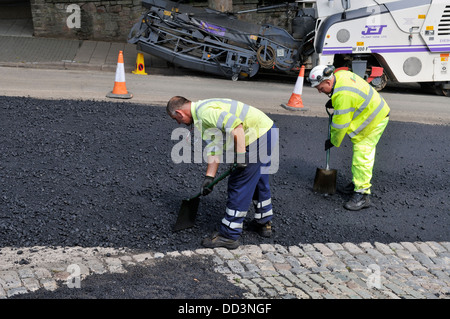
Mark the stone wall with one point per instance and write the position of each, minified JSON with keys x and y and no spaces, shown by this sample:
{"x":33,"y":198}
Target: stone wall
{"x":88,"y":19}
{"x":278,"y":17}
{"x":112,"y":20}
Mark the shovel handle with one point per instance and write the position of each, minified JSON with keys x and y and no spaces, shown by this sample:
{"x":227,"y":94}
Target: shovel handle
{"x":218,"y":179}
{"x":330,"y":118}
{"x":328,"y":159}
{"x":221,"y":177}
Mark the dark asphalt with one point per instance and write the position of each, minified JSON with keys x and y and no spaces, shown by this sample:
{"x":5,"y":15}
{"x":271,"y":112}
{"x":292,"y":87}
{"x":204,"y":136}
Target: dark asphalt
{"x":100,"y":174}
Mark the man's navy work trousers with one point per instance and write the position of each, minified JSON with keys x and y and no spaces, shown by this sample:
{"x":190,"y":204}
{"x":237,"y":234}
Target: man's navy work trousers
{"x":251,"y":184}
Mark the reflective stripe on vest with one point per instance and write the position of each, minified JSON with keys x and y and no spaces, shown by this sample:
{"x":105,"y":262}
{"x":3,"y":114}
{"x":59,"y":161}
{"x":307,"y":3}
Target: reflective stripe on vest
{"x":233,"y":111}
{"x":368,"y":120}
{"x":209,"y":101}
{"x":367,"y":99}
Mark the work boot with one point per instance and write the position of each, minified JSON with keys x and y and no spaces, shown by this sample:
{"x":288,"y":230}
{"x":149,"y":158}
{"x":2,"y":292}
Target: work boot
{"x":216,"y":240}
{"x":264,"y":230}
{"x":358,"y":201}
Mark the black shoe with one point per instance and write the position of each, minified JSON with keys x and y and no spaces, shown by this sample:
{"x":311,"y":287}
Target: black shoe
{"x":358,"y":202}
{"x":218,"y":241}
{"x":348,"y":189}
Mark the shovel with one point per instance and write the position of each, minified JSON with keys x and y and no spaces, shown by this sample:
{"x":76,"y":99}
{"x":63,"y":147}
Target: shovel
{"x":325,"y":180}
{"x":189,"y":207}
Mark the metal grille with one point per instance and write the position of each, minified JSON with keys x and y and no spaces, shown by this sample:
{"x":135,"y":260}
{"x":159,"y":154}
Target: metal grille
{"x":444,"y":24}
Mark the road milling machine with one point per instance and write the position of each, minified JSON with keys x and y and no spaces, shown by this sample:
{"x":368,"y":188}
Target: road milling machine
{"x":380,"y":40}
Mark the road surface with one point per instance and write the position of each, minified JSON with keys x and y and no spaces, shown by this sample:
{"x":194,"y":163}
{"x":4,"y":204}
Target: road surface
{"x":82,"y":173}
{"x":408,"y":103}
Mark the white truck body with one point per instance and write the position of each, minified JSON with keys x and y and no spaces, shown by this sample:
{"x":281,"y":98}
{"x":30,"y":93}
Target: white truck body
{"x":409,"y":39}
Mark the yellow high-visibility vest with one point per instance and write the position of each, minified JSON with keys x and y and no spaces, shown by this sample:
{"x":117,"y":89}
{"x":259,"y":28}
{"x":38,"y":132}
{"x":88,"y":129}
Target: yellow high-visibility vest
{"x":226,"y":114}
{"x":358,"y":108}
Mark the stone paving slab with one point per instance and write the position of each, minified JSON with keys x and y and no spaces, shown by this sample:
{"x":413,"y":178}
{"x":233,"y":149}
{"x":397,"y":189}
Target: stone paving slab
{"x":406,"y":270}
{"x":71,"y":54}
{"x":23,"y":49}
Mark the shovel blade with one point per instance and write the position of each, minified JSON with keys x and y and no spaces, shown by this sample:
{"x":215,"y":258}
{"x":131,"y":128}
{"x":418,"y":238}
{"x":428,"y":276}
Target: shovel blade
{"x":325,"y":181}
{"x":187,"y":214}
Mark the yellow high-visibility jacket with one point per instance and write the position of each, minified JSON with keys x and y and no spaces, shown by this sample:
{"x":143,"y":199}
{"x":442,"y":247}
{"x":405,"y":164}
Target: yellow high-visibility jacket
{"x":358,"y":108}
{"x":224,"y":115}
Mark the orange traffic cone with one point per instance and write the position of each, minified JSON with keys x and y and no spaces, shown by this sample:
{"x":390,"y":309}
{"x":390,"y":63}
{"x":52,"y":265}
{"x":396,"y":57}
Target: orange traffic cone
{"x":295,"y":102}
{"x":120,"y":89}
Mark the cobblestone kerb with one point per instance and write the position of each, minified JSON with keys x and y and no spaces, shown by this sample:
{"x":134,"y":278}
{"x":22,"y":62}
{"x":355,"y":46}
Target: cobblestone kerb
{"x":409,"y":270}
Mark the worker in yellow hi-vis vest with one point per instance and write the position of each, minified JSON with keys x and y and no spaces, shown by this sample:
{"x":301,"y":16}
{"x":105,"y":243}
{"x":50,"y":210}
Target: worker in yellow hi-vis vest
{"x":251,"y":137}
{"x":359,"y":112}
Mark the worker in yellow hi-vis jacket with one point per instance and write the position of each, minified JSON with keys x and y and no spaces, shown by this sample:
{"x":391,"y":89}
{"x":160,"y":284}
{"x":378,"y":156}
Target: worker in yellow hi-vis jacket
{"x":253,"y":137}
{"x":359,"y":112}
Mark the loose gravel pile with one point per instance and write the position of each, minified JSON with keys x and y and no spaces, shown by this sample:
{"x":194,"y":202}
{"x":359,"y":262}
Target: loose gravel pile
{"x":100,"y":174}
{"x":169,"y":278}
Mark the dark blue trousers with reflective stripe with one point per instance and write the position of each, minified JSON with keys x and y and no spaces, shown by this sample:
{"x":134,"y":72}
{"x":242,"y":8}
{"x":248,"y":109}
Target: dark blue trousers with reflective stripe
{"x":247,"y":185}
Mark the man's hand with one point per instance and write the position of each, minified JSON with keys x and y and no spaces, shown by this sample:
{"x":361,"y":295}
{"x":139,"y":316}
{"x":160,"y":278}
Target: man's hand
{"x":328,"y":105}
{"x":205,"y":190}
{"x":328,"y":145}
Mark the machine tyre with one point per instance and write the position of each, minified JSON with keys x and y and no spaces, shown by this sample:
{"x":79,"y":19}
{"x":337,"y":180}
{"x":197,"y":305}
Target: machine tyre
{"x":382,"y":82}
{"x":441,"y":91}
